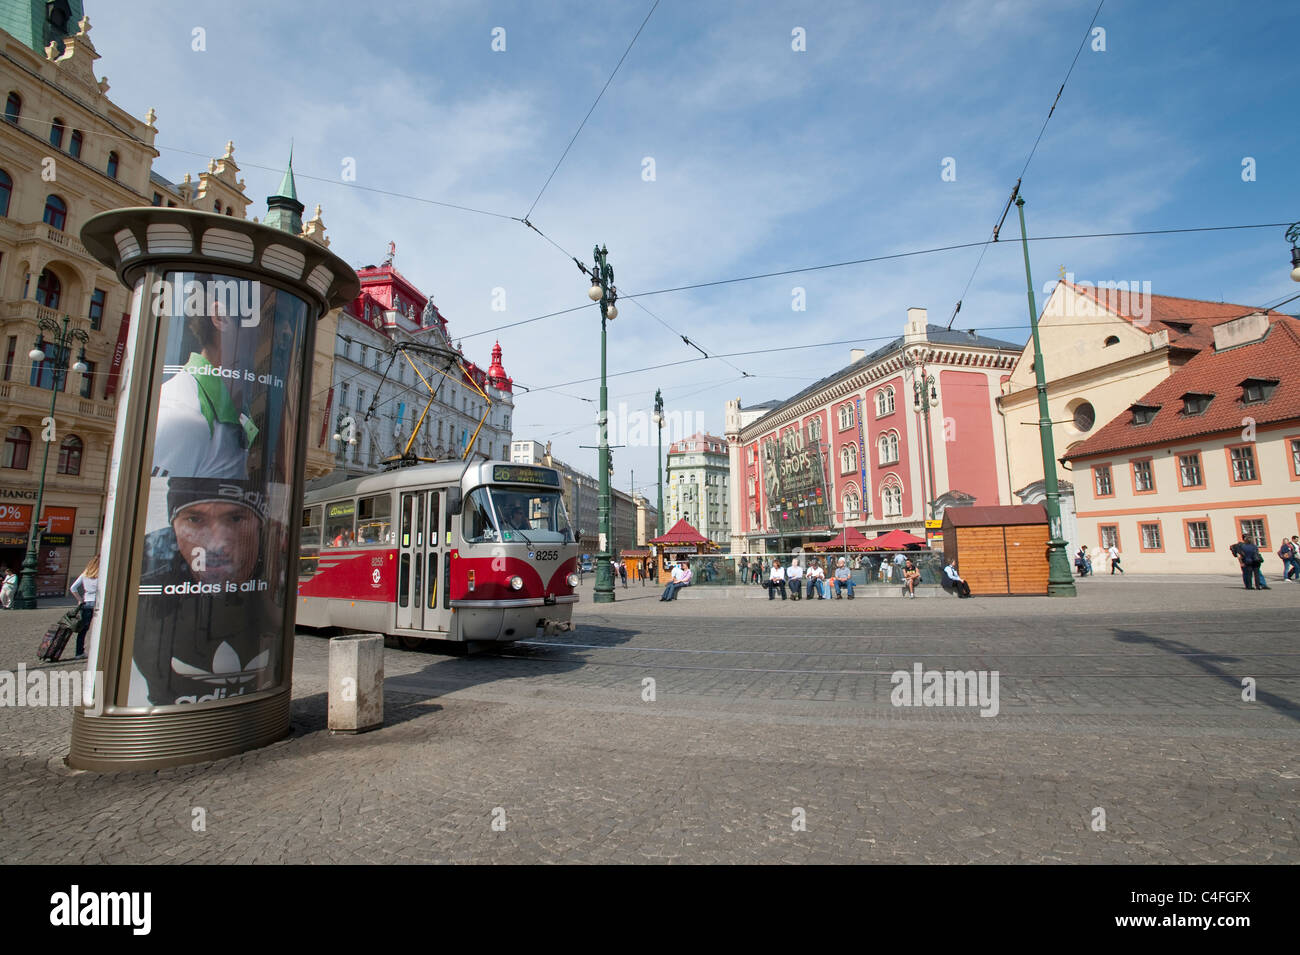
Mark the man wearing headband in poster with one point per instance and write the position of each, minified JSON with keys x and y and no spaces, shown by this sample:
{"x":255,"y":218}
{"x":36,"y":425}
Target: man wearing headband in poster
{"x":203,"y":597}
{"x":203,"y":427}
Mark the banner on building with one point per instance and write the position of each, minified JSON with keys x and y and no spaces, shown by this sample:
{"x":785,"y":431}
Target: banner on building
{"x":119,"y":350}
{"x":795,"y":482}
{"x":862,"y":461}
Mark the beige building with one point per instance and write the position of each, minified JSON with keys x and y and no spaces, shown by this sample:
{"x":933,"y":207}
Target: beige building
{"x":1103,"y":347}
{"x":67,"y":153}
{"x":1207,"y":456}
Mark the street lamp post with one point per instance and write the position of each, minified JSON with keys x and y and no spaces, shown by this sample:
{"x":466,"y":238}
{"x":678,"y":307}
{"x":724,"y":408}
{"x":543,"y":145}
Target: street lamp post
{"x":602,"y":290}
{"x":925,"y":397}
{"x":1060,"y":582}
{"x":1293,"y":233}
{"x":61,"y":338}
{"x":659,"y":460}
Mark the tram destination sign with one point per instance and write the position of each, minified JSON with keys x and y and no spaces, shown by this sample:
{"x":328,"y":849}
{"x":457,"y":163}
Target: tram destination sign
{"x":520,"y":474}
{"x":795,"y":483}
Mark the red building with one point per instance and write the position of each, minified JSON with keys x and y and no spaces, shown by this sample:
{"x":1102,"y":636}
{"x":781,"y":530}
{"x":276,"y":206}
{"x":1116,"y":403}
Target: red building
{"x":887,"y":442}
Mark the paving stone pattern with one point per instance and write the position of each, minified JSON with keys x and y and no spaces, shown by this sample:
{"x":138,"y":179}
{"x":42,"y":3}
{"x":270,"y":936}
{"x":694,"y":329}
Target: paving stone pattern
{"x":1126,"y":698}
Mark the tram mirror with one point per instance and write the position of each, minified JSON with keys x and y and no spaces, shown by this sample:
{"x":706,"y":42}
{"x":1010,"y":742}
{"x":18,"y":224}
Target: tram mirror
{"x":453,"y":501}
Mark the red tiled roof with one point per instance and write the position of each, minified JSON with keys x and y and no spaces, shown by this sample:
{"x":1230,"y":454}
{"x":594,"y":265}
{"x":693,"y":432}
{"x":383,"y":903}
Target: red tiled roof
{"x":1217,"y":373}
{"x":1005,"y":515}
{"x":686,"y":445}
{"x":1189,"y":321}
{"x":681,"y":533}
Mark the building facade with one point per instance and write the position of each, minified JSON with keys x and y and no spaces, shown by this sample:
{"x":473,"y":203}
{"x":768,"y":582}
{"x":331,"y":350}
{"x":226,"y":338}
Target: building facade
{"x":1209,"y":455}
{"x":1103,"y":347}
{"x":698,"y":486}
{"x":887,"y":442}
{"x":388,"y":392}
{"x":67,"y":153}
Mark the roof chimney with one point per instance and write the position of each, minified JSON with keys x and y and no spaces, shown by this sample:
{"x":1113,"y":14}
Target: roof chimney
{"x":857,"y":354}
{"x":914,"y":330}
{"x":1240,"y":331}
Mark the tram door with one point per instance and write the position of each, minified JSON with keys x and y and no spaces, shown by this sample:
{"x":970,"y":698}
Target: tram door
{"x":420,"y":557}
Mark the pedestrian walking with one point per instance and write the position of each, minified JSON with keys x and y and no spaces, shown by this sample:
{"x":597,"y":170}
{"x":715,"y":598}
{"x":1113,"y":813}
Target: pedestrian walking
{"x":8,"y":587}
{"x":1081,"y":562}
{"x":1287,"y":553}
{"x":86,"y":589}
{"x":622,"y":572}
{"x":1251,"y":561}
{"x":1113,"y":554}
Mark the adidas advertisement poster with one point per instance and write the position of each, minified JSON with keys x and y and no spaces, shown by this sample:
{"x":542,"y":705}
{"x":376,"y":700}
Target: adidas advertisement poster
{"x":213,"y":581}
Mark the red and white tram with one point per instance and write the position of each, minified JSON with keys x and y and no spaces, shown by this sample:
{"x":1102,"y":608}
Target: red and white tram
{"x":478,"y":551}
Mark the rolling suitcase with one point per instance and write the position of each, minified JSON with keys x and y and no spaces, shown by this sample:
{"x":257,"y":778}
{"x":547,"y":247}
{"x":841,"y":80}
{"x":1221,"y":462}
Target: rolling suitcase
{"x":56,"y":638}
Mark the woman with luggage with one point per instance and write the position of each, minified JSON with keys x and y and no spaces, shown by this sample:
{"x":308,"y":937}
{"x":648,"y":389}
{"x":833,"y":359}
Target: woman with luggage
{"x":86,"y":589}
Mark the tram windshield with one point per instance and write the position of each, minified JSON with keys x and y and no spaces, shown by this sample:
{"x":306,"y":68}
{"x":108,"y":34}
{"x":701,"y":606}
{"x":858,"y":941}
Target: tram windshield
{"x":515,"y":516}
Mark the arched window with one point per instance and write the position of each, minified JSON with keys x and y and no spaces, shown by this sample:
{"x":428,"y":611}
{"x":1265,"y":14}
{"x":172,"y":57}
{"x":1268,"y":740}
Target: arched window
{"x":112,"y":166}
{"x":18,"y":447}
{"x":852,"y":503}
{"x":48,"y":289}
{"x":216,"y":206}
{"x":230,"y":210}
{"x":56,"y":133}
{"x":889,"y":447}
{"x":891,"y":497}
{"x":56,"y":212}
{"x":70,"y":455}
{"x":815,"y":429}
{"x":880,"y":403}
{"x":13,"y":108}
{"x":889,"y":400}
{"x":74,"y":144}
{"x":1110,"y":340}
{"x":846,"y":416}
{"x":848,"y":458}
{"x":6,"y":192}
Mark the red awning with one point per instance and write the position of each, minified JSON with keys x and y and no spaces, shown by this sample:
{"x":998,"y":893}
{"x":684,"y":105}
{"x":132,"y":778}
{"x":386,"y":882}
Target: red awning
{"x":848,"y":539}
{"x":895,"y":540}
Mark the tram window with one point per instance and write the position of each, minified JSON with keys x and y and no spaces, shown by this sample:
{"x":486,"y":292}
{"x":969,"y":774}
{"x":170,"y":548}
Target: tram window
{"x":338,"y":524}
{"x":533,"y":516}
{"x":433,"y":581}
{"x":374,"y":520}
{"x":479,"y":523}
{"x":309,"y":542}
{"x":404,"y":581}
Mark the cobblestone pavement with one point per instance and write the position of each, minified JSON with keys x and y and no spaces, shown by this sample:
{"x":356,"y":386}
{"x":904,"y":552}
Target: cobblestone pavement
{"x":1127,"y":699}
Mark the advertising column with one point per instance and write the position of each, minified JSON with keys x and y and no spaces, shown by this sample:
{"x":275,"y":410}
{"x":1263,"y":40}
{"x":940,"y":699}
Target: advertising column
{"x":193,"y":639}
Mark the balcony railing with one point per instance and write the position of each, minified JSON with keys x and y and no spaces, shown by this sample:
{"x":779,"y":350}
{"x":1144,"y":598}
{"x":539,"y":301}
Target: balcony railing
{"x":81,"y":412}
{"x":29,"y":310}
{"x":41,"y":232}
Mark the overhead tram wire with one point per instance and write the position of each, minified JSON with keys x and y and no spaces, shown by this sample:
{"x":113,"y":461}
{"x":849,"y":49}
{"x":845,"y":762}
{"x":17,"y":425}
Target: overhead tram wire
{"x":1077,"y":53}
{"x":596,"y":102}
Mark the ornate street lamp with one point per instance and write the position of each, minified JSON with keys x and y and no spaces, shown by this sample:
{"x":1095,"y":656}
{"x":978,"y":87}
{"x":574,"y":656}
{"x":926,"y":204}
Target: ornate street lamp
{"x":62,"y":338}
{"x":602,"y":290}
{"x":925,"y":397}
{"x":1060,"y":582}
{"x":1293,"y":233}
{"x":659,"y":421}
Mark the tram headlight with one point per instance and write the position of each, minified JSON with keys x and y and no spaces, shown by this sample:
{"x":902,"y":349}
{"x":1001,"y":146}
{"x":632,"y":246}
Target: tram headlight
{"x":516,"y":583}
{"x":573,"y":580}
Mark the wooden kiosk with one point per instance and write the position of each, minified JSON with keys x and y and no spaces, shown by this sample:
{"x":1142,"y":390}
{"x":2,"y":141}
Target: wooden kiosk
{"x":680,"y":542}
{"x":999,"y":550}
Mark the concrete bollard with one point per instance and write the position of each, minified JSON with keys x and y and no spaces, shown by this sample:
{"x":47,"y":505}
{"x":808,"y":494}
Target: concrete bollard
{"x":356,"y":698}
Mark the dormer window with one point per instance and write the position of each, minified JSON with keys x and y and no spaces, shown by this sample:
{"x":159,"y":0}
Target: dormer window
{"x":1144,"y":414}
{"x":1254,"y":390}
{"x":1110,"y":340}
{"x":1195,"y":403}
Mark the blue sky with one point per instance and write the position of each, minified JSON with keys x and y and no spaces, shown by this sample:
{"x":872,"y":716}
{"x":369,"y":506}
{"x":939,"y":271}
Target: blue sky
{"x":765,"y":159}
